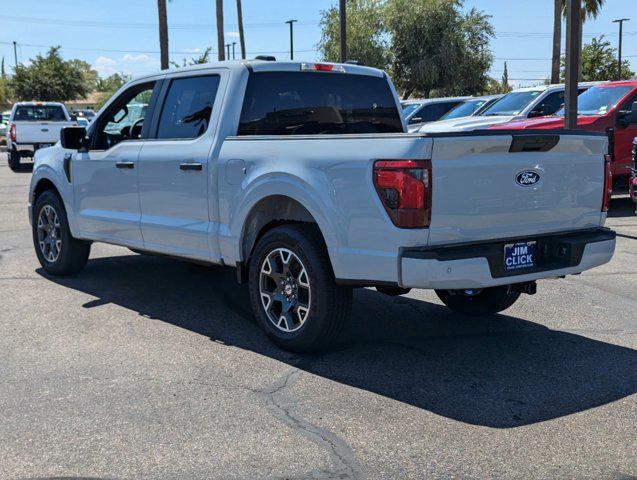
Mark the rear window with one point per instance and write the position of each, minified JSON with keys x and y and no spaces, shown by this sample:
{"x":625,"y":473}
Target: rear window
{"x":37,"y":113}
{"x":309,"y":103}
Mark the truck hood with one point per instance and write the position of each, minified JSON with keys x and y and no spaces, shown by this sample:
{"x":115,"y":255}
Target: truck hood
{"x":545,"y":123}
{"x":465,"y":124}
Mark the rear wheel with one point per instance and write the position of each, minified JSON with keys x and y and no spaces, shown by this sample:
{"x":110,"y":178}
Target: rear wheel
{"x":57,"y":251}
{"x":486,"y":301}
{"x":293,"y":292}
{"x":14,"y":161}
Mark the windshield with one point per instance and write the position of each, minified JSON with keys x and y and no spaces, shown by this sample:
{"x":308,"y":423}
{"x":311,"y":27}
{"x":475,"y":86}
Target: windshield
{"x":36,"y":113}
{"x":512,"y":103}
{"x":409,"y":108}
{"x":465,"y":109}
{"x":598,"y":100}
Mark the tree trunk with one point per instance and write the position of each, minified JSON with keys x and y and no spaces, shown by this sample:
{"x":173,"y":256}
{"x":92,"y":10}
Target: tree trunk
{"x":220,"y":36}
{"x":557,"y":42}
{"x":242,"y":40}
{"x":163,"y":33}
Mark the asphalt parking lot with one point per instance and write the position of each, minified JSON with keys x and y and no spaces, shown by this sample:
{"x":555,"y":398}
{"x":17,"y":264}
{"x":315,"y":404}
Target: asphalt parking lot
{"x":143,"y":367}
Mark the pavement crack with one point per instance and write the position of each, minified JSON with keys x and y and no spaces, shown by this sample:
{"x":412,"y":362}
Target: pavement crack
{"x":344,"y":463}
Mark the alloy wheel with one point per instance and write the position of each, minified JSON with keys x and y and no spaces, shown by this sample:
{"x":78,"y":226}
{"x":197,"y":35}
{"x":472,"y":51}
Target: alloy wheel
{"x":49,"y":233}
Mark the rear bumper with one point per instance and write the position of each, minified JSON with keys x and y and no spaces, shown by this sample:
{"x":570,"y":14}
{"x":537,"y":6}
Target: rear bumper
{"x":480,"y":265}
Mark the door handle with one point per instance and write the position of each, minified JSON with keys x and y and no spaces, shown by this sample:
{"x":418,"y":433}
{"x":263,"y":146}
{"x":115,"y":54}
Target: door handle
{"x":125,"y":164}
{"x":191,"y":166}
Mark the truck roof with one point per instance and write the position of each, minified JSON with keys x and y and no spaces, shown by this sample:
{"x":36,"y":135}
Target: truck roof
{"x":258,"y":65}
{"x":40,"y":104}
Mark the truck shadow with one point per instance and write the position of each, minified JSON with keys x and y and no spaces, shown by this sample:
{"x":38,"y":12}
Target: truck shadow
{"x":500,"y":372}
{"x":621,"y":207}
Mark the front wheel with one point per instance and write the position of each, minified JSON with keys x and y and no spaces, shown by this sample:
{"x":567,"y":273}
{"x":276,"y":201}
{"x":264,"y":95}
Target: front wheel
{"x":486,"y":301}
{"x":57,"y":251}
{"x":293,"y":292}
{"x":14,"y":160}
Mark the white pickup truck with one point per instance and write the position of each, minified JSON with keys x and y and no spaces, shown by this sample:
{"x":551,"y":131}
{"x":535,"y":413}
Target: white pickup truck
{"x":303,"y":178}
{"x":34,"y":125}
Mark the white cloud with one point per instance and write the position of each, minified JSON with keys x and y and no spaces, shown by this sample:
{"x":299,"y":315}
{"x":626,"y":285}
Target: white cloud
{"x":105,"y":65}
{"x":232,"y":34}
{"x":135,"y":58}
{"x":193,"y":50}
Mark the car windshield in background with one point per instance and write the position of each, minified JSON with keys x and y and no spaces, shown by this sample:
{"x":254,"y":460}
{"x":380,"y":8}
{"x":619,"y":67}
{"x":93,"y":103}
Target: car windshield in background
{"x":309,"y":103}
{"x":38,"y":113}
{"x":409,"y":108}
{"x":512,"y":103}
{"x":598,"y":100}
{"x":465,"y":109}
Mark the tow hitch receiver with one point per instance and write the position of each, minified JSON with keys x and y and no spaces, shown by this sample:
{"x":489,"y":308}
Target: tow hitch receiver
{"x":530,"y":288}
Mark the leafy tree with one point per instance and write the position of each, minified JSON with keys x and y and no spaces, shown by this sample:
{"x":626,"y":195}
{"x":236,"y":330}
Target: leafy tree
{"x":49,"y":78}
{"x":599,"y":62}
{"x":108,"y":86}
{"x":367,"y":41}
{"x":90,"y":76}
{"x":203,"y":58}
{"x":436,"y":46}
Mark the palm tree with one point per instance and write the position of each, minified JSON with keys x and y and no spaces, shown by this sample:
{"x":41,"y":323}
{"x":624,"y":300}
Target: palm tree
{"x":590,"y":9}
{"x":242,"y":40}
{"x":163,"y":33}
{"x":220,"y":35}
{"x":557,"y":41}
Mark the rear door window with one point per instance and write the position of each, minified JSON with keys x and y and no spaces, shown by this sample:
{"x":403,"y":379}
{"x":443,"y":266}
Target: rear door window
{"x":433,"y":112}
{"x":188,"y":106}
{"x":309,"y":103}
{"x":39,"y":113}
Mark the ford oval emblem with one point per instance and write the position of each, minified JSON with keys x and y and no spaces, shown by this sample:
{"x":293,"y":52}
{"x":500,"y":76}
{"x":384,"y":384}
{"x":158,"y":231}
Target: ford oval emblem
{"x":527,"y":178}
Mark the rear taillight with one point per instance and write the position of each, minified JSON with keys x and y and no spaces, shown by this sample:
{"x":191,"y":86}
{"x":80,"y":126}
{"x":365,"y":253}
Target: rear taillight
{"x":608,"y":184}
{"x":404,"y":188}
{"x":12,"y":132}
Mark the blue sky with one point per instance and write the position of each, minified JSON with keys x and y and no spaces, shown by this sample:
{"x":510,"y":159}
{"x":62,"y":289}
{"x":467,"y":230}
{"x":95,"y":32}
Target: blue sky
{"x":121,"y":36}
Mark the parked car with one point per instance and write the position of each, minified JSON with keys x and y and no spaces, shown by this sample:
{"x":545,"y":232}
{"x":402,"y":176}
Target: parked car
{"x":421,"y":111}
{"x":605,"y":108}
{"x":83,"y":122}
{"x":633,"y":176}
{"x":301,"y":176}
{"x":519,"y":104}
{"x":34,"y":125}
{"x":471,"y":107}
{"x":87,"y":113}
{"x":4,"y":120}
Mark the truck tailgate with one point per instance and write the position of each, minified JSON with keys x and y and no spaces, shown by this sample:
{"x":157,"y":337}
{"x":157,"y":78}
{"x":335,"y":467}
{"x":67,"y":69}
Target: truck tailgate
{"x":504,"y":186}
{"x":39,"y":132}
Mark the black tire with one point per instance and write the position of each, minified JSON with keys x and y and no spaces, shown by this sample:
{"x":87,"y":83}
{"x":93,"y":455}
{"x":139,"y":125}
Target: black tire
{"x":487,"y":301}
{"x":329,"y":303}
{"x":72,"y":253}
{"x":14,"y":161}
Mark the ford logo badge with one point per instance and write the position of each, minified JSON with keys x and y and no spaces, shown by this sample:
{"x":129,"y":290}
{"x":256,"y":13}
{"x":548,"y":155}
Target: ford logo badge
{"x":527,"y":178}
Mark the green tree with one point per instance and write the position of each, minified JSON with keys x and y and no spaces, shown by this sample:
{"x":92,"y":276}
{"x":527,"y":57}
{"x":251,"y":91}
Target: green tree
{"x":437,"y":47}
{"x":49,"y":78}
{"x":108,"y":86}
{"x":89,"y":75}
{"x":599,"y":62}
{"x":203,"y":58}
{"x":367,"y":40}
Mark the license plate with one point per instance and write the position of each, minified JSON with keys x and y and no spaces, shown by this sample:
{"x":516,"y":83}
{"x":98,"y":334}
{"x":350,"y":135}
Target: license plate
{"x":519,"y":256}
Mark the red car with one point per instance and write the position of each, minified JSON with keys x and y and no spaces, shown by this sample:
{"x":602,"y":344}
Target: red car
{"x":607,"y":107}
{"x":633,"y":178}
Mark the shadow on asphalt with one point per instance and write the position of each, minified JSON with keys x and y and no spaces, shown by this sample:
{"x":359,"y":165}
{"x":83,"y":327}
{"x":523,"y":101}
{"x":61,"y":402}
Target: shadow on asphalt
{"x":24,"y":168}
{"x":499,"y":372}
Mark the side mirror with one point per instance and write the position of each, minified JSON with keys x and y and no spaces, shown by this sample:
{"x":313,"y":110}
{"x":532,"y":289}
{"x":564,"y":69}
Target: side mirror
{"x":73,"y":138}
{"x":73,"y":118}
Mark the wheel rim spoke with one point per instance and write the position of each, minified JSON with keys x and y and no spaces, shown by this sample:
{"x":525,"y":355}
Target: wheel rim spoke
{"x":48,"y":232}
{"x":285,"y":290}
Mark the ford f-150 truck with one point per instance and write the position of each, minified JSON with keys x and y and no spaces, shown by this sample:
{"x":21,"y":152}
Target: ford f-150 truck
{"x":34,"y":125}
{"x":302,"y":176}
{"x":606,"y":108}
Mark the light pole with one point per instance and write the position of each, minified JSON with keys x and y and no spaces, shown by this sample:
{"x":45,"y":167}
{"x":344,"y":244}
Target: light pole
{"x":573,"y":26}
{"x":343,"y":25}
{"x":291,"y":22}
{"x":227,"y":51}
{"x":233,"y":44}
{"x":621,"y":31}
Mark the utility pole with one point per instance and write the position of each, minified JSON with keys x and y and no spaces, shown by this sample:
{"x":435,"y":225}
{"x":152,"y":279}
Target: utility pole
{"x":233,"y":44}
{"x":621,"y":31}
{"x":242,"y":39}
{"x":291,"y":22}
{"x":573,"y":26}
{"x":343,"y":22}
{"x":220,"y":35}
{"x":228,"y":51}
{"x":15,"y":53}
